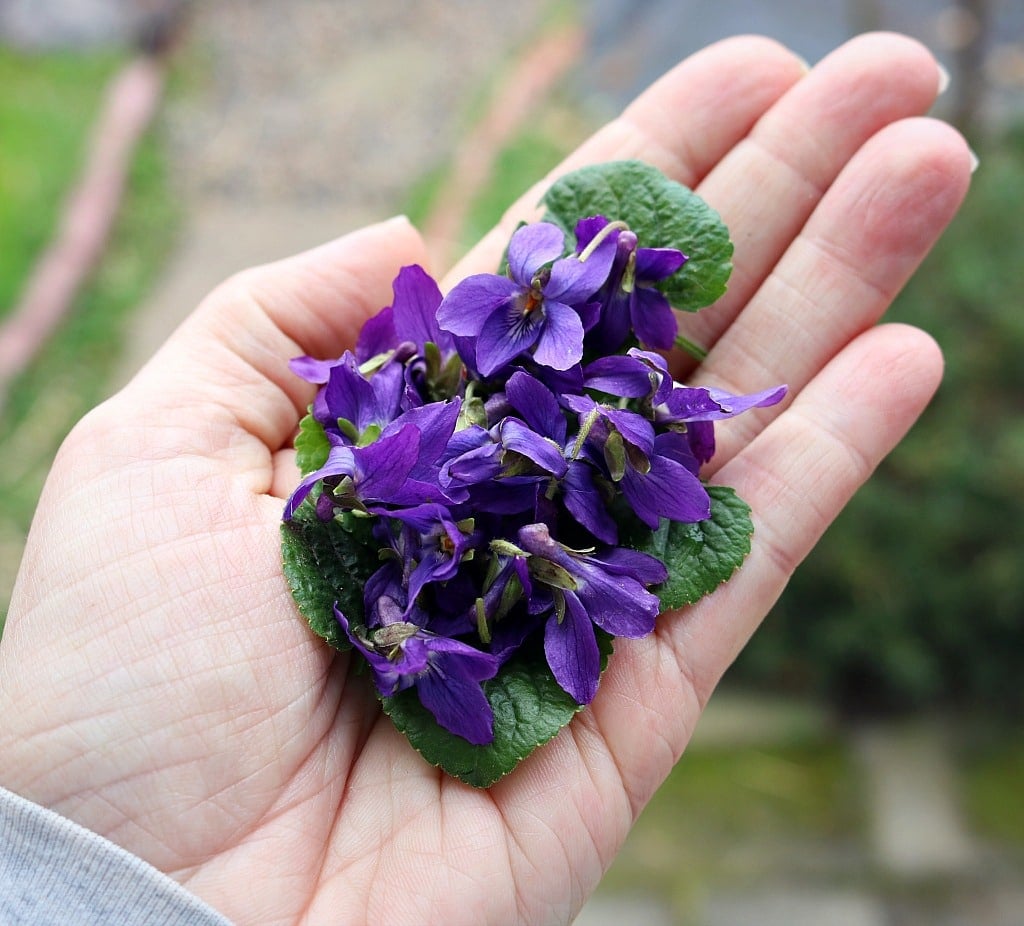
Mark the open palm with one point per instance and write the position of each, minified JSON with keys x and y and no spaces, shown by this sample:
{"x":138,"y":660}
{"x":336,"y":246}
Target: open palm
{"x":157,"y":684}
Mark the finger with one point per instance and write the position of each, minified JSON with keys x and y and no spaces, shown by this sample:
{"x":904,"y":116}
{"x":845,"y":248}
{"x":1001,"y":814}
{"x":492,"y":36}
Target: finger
{"x":229,"y":359}
{"x":868,"y":235}
{"x":770,"y":183}
{"x":797,"y":476}
{"x":683,"y":124}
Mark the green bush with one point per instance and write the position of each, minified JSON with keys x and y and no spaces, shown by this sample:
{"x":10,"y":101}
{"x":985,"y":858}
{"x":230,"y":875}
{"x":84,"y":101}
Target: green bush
{"x":916,"y":597}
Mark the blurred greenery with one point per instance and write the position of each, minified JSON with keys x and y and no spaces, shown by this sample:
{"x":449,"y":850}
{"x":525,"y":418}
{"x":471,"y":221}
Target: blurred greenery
{"x":992,"y":774}
{"x":71,"y":374}
{"x":915,"y":599}
{"x":742,"y":805}
{"x":46,"y":110}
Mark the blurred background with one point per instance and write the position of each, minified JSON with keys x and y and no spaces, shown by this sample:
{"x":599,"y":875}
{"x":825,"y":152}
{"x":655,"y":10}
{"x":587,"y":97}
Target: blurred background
{"x":863,"y":764}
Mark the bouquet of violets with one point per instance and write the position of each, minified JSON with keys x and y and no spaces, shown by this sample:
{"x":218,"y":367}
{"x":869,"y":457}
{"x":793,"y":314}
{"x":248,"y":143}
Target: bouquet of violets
{"x":501,"y":480}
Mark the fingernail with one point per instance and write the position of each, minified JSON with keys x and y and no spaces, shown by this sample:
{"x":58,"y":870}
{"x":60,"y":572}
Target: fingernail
{"x":943,"y":79}
{"x":974,"y":160}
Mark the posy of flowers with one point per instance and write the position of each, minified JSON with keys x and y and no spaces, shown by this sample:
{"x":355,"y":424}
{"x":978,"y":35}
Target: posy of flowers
{"x":501,"y":480}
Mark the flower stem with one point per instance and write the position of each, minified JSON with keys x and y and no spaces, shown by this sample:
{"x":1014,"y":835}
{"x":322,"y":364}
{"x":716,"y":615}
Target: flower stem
{"x":694,"y":350}
{"x":617,"y":225}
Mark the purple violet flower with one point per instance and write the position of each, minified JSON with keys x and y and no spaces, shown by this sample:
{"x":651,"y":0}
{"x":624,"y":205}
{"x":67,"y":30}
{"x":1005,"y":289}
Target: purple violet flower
{"x":537,"y":306}
{"x":698,"y":408}
{"x":629,"y":300}
{"x":609,"y":590}
{"x":400,"y":468}
{"x":354,"y":408}
{"x":411,"y":317}
{"x":638,"y":374}
{"x":446,"y":673}
{"x":650,"y":469}
{"x":542,"y":412}
{"x":431,"y":544}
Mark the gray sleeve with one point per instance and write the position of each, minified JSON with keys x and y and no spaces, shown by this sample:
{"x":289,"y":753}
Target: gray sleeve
{"x":55,"y":873}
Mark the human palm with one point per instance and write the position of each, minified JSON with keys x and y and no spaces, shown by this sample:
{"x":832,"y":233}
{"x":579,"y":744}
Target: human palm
{"x":157,"y":684}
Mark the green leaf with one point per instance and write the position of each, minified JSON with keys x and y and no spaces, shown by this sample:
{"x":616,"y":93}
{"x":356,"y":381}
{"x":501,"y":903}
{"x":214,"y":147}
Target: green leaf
{"x":311,"y":445}
{"x":701,"y":556}
{"x":529,"y":709}
{"x":327,"y":562}
{"x":663,"y":213}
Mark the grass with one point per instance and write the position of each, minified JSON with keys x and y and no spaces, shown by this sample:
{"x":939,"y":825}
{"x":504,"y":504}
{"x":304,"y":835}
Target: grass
{"x":57,"y":98}
{"x":993,"y":772}
{"x":46,"y":111}
{"x":722,"y":812}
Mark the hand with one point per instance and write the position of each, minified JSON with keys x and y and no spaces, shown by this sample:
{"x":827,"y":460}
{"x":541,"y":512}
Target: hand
{"x":158,"y":685}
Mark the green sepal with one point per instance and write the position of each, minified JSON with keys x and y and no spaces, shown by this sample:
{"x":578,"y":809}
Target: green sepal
{"x":700,"y":556}
{"x":529,"y":709}
{"x":327,"y":562}
{"x":311,"y":445}
{"x":662,"y":213}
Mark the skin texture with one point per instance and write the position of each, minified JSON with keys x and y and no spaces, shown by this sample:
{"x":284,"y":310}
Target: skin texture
{"x":156,"y":682}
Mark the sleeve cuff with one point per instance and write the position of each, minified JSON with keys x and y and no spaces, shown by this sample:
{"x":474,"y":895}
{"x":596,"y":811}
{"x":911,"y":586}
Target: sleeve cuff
{"x":53,"y":871}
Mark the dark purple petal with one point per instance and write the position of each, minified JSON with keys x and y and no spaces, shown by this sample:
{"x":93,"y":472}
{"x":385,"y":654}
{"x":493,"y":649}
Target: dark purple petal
{"x":560,"y":345}
{"x":641,"y":566}
{"x":736,"y":404}
{"x":340,"y":462}
{"x":560,"y":382}
{"x":667,"y":490}
{"x":653,"y":264}
{"x":386,"y":676}
{"x":451,"y":691}
{"x":618,"y":603}
{"x":476,"y":465}
{"x":574,"y":280}
{"x":460,"y":707}
{"x":610,"y":591}
{"x":311,"y":370}
{"x":589,"y":313}
{"x":505,"y":496}
{"x":690,"y":403}
{"x":634,"y":428}
{"x":537,"y":405}
{"x":586,"y":230}
{"x":384,"y":466}
{"x":658,"y":367}
{"x":465,"y":440}
{"x":701,"y":437}
{"x":531,"y":247}
{"x":618,"y":375}
{"x":422,"y":518}
{"x":350,"y":395}
{"x":508,"y":635}
{"x":507,"y":333}
{"x":417,"y":298}
{"x":469,"y":304}
{"x":586,"y":504}
{"x":570,"y":647}
{"x":377,"y":336}
{"x":384,"y":595}
{"x":676,"y":447}
{"x":436,"y":423}
{"x":517,"y":436}
{"x":652,"y":317}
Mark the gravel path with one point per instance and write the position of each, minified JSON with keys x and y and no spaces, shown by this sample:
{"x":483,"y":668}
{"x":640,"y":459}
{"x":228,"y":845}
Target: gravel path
{"x":299,"y":121}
